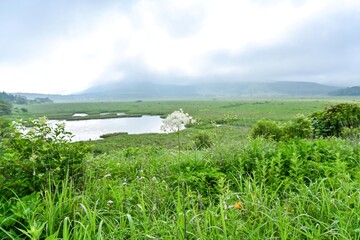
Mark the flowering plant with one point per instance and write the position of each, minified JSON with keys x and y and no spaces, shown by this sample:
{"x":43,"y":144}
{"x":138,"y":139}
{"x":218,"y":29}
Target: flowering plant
{"x":176,"y":121}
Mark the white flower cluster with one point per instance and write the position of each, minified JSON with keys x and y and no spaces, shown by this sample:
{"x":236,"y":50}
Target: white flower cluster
{"x":176,"y":121}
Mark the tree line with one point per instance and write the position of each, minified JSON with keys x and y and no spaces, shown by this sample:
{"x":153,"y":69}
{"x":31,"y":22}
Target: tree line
{"x":7,"y":100}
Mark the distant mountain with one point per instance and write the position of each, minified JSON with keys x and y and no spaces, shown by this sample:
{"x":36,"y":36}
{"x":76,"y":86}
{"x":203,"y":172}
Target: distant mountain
{"x":350,"y":91}
{"x":205,"y":90}
{"x":128,"y":91}
{"x":302,"y":88}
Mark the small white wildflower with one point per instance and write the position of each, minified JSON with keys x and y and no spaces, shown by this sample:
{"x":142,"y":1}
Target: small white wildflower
{"x":225,"y":205}
{"x":304,"y":228}
{"x":153,"y":178}
{"x":110,"y":202}
{"x":33,"y":158}
{"x":107,"y":175}
{"x":42,"y":120}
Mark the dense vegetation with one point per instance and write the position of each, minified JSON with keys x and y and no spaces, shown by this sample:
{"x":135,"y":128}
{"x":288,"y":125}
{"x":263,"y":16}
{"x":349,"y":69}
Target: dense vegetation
{"x":350,"y":91}
{"x":295,"y":178}
{"x":12,"y":98}
{"x":8,"y":100}
{"x":5,"y":108}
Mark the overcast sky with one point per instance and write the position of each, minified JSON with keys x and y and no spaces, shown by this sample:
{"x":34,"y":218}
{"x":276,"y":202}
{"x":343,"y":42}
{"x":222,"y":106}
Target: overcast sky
{"x":65,"y":46}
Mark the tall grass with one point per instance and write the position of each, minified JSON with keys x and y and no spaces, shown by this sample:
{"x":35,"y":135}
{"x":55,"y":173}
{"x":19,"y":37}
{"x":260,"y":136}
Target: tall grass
{"x":302,"y":189}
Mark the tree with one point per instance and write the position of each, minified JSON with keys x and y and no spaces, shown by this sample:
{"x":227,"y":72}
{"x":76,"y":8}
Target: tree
{"x":332,"y":120}
{"x":5,"y":107}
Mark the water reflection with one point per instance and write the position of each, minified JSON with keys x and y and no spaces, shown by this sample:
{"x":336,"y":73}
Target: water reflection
{"x":94,"y":128}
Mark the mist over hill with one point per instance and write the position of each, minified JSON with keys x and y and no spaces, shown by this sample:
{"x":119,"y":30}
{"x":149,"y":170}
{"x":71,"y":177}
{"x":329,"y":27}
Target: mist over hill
{"x":210,"y":90}
{"x":350,"y":91}
{"x":126,"y":91}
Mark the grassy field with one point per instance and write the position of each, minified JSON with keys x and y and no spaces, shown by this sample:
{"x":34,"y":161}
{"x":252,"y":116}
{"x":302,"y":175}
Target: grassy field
{"x":152,"y":186}
{"x":235,"y":117}
{"x":213,"y":110}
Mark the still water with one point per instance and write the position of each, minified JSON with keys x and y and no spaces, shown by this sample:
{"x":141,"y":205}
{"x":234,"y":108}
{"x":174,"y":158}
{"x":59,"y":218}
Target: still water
{"x":94,"y":128}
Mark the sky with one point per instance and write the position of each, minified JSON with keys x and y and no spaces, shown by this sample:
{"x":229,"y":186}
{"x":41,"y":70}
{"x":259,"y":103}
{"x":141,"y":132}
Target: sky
{"x":67,"y":46}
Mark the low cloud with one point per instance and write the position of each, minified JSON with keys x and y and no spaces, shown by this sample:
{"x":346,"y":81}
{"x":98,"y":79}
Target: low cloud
{"x":69,"y":46}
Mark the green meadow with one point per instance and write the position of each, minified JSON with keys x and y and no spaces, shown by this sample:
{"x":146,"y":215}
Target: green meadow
{"x":246,"y":169}
{"x":210,"y":110}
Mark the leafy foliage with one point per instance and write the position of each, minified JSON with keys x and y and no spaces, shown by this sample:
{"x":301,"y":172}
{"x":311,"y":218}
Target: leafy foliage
{"x":267,"y":129}
{"x":332,"y":120}
{"x":5,"y":107}
{"x":202,"y":140}
{"x":301,"y":188}
{"x":326,"y":123}
{"x":13,"y":98}
{"x":299,"y":128}
{"x":33,"y":159}
{"x":351,"y":133}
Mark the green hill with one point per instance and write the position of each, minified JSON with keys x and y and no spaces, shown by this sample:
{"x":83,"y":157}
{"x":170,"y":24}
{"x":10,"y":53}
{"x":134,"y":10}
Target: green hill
{"x":350,"y":91}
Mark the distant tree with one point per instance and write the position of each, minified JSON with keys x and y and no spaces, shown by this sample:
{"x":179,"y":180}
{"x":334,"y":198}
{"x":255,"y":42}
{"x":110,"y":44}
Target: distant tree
{"x":7,"y":97}
{"x":13,"y":98}
{"x":43,"y":100}
{"x":5,"y":107}
{"x":332,"y":120}
{"x":21,"y":100}
{"x":350,"y":91}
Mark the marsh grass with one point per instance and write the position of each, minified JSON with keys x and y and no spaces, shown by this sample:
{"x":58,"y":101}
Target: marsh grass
{"x":237,"y":188}
{"x":238,"y":112}
{"x":298,"y":190}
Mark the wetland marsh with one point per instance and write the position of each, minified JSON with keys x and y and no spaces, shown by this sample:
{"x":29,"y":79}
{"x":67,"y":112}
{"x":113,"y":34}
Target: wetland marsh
{"x":214,"y":180}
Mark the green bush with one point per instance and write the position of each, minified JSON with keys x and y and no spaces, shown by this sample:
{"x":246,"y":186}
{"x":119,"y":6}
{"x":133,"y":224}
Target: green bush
{"x":351,"y":133}
{"x":5,"y":107}
{"x":267,"y":129}
{"x":326,"y":123}
{"x":300,"y":128}
{"x":200,"y":176}
{"x":202,"y":140}
{"x":44,"y":154}
{"x":332,"y":120}
{"x":4,"y":127}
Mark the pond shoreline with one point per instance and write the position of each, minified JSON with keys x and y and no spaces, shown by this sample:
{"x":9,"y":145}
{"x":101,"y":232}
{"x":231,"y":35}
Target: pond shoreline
{"x":97,"y":129}
{"x":97,"y":116}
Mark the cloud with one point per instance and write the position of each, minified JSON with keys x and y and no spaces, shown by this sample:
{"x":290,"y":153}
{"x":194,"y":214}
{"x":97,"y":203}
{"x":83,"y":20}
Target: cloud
{"x":325,"y":51}
{"x":68,"y":46}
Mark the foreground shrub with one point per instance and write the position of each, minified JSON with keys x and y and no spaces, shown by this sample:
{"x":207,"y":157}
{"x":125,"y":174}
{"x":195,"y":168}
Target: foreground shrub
{"x":299,"y":128}
{"x":351,"y":133}
{"x":267,"y":129}
{"x":202,"y":140}
{"x":326,"y":123}
{"x":31,"y":158}
{"x":332,"y":120}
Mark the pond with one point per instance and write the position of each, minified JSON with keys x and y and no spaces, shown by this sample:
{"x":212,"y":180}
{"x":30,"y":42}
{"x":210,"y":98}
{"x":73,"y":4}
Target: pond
{"x":94,"y":128}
